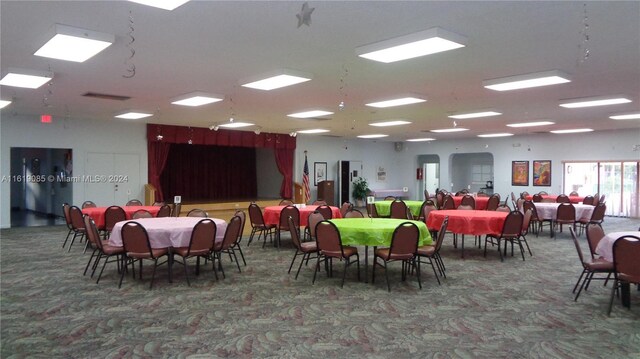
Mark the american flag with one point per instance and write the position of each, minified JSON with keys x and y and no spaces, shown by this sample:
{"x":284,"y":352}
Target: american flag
{"x":305,"y":180}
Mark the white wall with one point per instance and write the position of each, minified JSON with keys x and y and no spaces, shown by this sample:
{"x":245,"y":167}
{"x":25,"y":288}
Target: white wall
{"x":269,"y":178}
{"x":80,"y":135}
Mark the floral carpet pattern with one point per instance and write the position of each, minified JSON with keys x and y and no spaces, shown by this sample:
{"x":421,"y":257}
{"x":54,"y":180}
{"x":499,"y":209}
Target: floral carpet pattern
{"x":483,"y":309}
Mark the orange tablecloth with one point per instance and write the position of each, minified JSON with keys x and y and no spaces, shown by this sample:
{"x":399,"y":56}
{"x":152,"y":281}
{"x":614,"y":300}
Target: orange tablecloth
{"x":97,"y":213}
{"x":553,"y":197}
{"x":481,"y":202}
{"x":475,"y":222}
{"x":271,"y":214}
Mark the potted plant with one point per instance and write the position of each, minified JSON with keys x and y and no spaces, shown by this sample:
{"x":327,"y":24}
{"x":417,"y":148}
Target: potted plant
{"x":360,"y":190}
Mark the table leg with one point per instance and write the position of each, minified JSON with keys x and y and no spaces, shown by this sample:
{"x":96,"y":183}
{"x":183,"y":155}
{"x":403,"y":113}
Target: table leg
{"x":170,"y":264}
{"x":366,"y":264}
{"x":626,"y":294}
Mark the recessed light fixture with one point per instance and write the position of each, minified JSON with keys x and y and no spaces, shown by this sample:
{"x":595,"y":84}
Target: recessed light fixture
{"x":235,"y":124}
{"x":413,"y":45}
{"x":390,"y":123}
{"x":626,"y":116}
{"x":421,"y":139}
{"x":196,"y":99}
{"x":397,"y":102}
{"x":31,"y":79}
{"x":531,"y":124}
{"x":310,"y":114}
{"x":454,"y":129}
{"x":575,"y":130}
{"x":4,"y":103}
{"x":504,"y":134}
{"x":74,"y":44}
{"x":463,"y":116}
{"x":373,"y":136}
{"x":546,"y":78}
{"x":161,"y":4}
{"x":594,"y":101}
{"x":133,"y":115}
{"x":277,"y":79}
{"x":315,"y":130}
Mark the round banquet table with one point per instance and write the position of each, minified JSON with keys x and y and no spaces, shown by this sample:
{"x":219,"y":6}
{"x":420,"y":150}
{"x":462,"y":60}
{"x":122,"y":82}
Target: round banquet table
{"x":481,"y":202}
{"x":271,"y":214}
{"x":549,"y":210}
{"x":383,"y":208}
{"x":605,"y":246}
{"x":554,"y":197}
{"x":97,"y":213}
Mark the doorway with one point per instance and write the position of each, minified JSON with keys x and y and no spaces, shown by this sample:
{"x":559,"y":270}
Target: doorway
{"x":430,"y":174}
{"x":472,"y":171}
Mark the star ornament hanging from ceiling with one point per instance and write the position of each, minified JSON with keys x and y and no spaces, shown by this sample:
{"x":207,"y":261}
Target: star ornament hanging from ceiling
{"x":304,"y":17}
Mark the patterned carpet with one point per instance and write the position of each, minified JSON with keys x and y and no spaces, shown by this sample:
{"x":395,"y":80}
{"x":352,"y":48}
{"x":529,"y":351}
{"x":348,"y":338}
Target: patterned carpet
{"x":484,"y":309}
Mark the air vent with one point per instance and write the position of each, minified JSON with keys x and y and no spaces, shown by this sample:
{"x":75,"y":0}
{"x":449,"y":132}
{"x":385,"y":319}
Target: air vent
{"x":334,"y":136}
{"x":105,"y":96}
{"x":315,"y":119}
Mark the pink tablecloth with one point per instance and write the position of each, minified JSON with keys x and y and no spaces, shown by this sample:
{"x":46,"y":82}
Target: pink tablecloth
{"x":481,"y":202}
{"x":554,"y":197}
{"x":167,"y":232}
{"x":548,"y":210}
{"x":271,"y":214}
{"x":605,"y":246}
{"x":97,"y":213}
{"x":475,"y":222}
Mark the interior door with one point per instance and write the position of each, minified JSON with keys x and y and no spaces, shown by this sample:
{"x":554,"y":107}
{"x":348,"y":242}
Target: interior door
{"x":112,"y":178}
{"x":97,"y":167}
{"x":126,"y":178}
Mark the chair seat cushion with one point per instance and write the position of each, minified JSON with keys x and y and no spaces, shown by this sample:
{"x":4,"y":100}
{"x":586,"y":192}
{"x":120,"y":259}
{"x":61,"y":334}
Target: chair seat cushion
{"x":385,"y":253}
{"x":309,"y":247}
{"x":426,"y":251}
{"x":600,"y":265}
{"x":629,"y":278}
{"x":347,"y":250}
{"x":157,"y":252}
{"x":110,"y":250}
{"x":183,"y":251}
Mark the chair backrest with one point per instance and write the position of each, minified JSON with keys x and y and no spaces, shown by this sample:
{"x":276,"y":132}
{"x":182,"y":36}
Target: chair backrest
{"x":566,"y":212}
{"x":314,"y":218}
{"x":588,"y":200}
{"x":597,"y":216}
{"x":529,"y":206}
{"x":203,"y":235}
{"x":543,"y":192}
{"x":519,"y":203}
{"x":448,"y":202}
{"x":537,"y":197}
{"x":503,"y":208}
{"x":398,"y":209}
{"x":319,"y":203}
{"x":468,"y":200}
{"x":113,"y":215}
{"x":626,"y":251}
{"x":88,"y":204}
{"x":462,"y":192}
{"x":595,"y":233}
{"x":354,"y":213}
{"x":197,"y":212}
{"x":243,"y":218}
{"x":67,"y":216}
{"x":440,"y":199}
{"x":328,"y":239}
{"x":390,"y":198}
{"x":295,"y":234}
{"x":442,"y":233}
{"x":135,"y":239}
{"x":493,"y":202}
{"x":134,"y":202}
{"x":346,"y":207}
{"x":465,"y":207}
{"x":177,"y":208}
{"x":404,"y":242}
{"x":426,"y":209}
{"x":602,"y":199}
{"x":92,"y":232}
{"x":512,"y":224}
{"x":158,"y":203}
{"x":255,"y":215}
{"x":596,"y":199}
{"x":574,"y":194}
{"x":141,"y":213}
{"x":526,"y":221}
{"x":577,"y":244}
{"x":285,"y":202}
{"x":232,"y":232}
{"x":563,"y":198}
{"x":285,"y":213}
{"x":524,"y":194}
{"x":164,"y":211}
{"x":76,"y":215}
{"x":426,"y":195}
{"x":326,"y":211}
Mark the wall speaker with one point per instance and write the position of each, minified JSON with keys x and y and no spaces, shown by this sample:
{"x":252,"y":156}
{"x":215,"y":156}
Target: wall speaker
{"x":399,"y":146}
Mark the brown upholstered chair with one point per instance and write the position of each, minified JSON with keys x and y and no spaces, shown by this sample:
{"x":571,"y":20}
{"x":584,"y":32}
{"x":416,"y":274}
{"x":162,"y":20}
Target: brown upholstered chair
{"x":511,"y":230}
{"x":404,"y":246}
{"x":597,"y":217}
{"x":493,"y":202}
{"x":398,"y":210}
{"x":306,"y":249}
{"x":200,"y":245}
{"x":225,"y":246}
{"x":432,"y":253}
{"x":426,"y":209}
{"x":574,"y":194}
{"x":588,"y":200}
{"x":258,"y":226}
{"x":440,"y":199}
{"x":236,"y":245}
{"x":310,"y":230}
{"x":536,"y":222}
{"x":164,"y":211}
{"x":346,"y":207}
{"x":137,"y":247}
{"x":468,"y":200}
{"x":537,"y":197}
{"x":329,"y":247}
{"x":526,"y":221}
{"x":101,"y":249}
{"x":590,"y":267}
{"x":77,"y":223}
{"x":354,"y":213}
{"x":426,"y":195}
{"x":112,"y":215}
{"x":283,"y":225}
{"x":67,"y":218}
{"x":563,"y":198}
{"x":285,"y":202}
{"x":141,"y":213}
{"x":319,"y":203}
{"x":325,"y":211}
{"x":88,"y":204}
{"x":134,"y":202}
{"x":595,"y":233}
{"x":566,"y":214}
{"x":448,"y":202}
{"x":596,"y":199}
{"x":158,"y":203}
{"x":197,"y":212}
{"x":626,"y":266}
{"x":390,"y":198}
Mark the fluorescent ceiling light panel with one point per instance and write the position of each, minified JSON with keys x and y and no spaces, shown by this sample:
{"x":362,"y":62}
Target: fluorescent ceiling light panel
{"x":413,"y":45}
{"x":161,"y":4}
{"x":235,"y":124}
{"x":531,"y":124}
{"x":278,"y":79}
{"x":421,"y":139}
{"x":315,"y":130}
{"x":372,"y":136}
{"x":463,"y":116}
{"x":310,"y":114}
{"x":445,"y":130}
{"x":30,"y":79}
{"x":133,"y":115}
{"x":575,"y":130}
{"x":487,"y":135}
{"x":594,"y":101}
{"x":526,"y":81}
{"x":4,"y":103}
{"x":397,"y":102}
{"x":74,"y":44}
{"x":626,"y":116}
{"x":196,"y":99}
{"x":390,"y":123}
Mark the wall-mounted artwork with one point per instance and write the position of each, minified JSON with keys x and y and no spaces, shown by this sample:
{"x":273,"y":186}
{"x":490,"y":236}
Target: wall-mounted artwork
{"x":519,"y":173}
{"x":320,"y":171}
{"x":542,"y":173}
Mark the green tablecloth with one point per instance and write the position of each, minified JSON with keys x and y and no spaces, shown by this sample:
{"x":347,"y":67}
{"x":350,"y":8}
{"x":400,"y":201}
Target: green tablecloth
{"x":375,"y":232}
{"x":384,"y":208}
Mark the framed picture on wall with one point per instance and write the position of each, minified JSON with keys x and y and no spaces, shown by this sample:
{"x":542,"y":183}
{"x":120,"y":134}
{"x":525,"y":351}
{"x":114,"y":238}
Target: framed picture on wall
{"x":519,"y":173}
{"x":542,"y":173}
{"x":320,"y":172}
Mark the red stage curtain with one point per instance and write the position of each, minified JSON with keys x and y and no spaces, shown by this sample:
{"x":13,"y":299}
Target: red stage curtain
{"x":284,"y":160}
{"x":207,"y":173}
{"x":157,"y":153}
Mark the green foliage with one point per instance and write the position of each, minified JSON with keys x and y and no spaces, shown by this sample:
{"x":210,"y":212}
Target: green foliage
{"x":360,"y":188}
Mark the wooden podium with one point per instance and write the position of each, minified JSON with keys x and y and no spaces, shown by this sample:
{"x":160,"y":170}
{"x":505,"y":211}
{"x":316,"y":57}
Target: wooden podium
{"x":326,"y":192}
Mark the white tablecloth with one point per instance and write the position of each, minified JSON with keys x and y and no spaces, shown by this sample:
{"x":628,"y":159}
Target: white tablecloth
{"x":605,"y":246}
{"x":167,"y":232}
{"x":549,"y":210}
